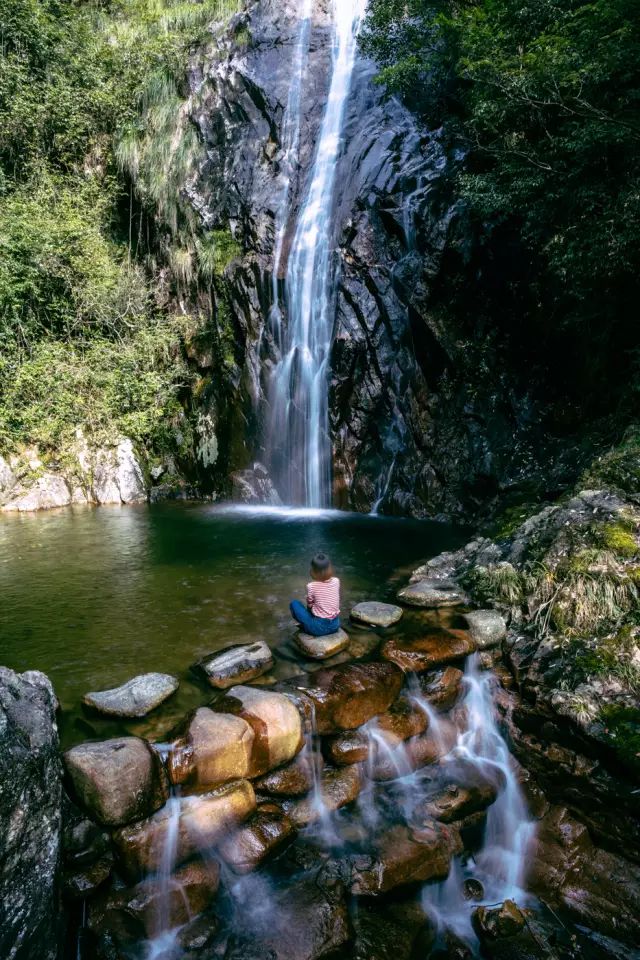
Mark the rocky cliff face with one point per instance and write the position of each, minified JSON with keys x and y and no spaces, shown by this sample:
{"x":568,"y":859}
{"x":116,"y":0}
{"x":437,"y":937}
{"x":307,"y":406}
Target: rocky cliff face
{"x":422,"y":419}
{"x":30,"y":815}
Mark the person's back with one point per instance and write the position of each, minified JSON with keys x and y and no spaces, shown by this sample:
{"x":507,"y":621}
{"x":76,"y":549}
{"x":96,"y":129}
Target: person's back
{"x":321,"y":616}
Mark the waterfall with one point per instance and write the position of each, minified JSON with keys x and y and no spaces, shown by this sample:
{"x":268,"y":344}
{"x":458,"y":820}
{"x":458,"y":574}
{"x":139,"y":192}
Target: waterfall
{"x":290,"y":140}
{"x":299,"y":442}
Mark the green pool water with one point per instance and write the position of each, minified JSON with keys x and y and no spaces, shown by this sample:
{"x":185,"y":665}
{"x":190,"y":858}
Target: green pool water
{"x":94,"y":596}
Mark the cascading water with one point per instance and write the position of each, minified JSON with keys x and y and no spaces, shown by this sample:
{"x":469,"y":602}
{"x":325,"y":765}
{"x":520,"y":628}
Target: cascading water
{"x":289,"y":163}
{"x":299,"y":446}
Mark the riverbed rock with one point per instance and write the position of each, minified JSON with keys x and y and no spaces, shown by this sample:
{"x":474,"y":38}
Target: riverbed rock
{"x":275,"y":721}
{"x":345,"y":697}
{"x":82,"y":882}
{"x":216,"y":747}
{"x":235,"y":664}
{"x":442,"y":688}
{"x":433,"y":593}
{"x":305,"y":919}
{"x":117,"y":781}
{"x":404,"y":856}
{"x":202,"y":822}
{"x":135,"y":698}
{"x":417,"y":654}
{"x":30,"y":817}
{"x":454,"y":802}
{"x":413,"y":754}
{"x":321,"y":648}
{"x":346,"y":748}
{"x":399,"y":932}
{"x":487,"y":628}
{"x":496,"y":923}
{"x":337,"y":788}
{"x":376,"y":614}
{"x":402,"y":721}
{"x":261,"y":837}
{"x":293,"y":780}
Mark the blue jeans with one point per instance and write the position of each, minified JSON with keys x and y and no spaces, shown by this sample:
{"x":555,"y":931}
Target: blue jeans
{"x":315,"y":626}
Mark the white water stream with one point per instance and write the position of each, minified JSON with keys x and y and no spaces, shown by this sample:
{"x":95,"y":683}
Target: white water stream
{"x":299,"y":433}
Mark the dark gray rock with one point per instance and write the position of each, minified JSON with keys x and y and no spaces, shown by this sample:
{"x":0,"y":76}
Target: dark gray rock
{"x":135,"y":698}
{"x":30,"y":817}
{"x":433,"y":593}
{"x":487,"y":628}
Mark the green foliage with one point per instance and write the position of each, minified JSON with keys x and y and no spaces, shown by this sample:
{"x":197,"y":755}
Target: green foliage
{"x":544,"y":97}
{"x":618,"y":538}
{"x":88,"y":91}
{"x":614,"y":655}
{"x":499,"y":584}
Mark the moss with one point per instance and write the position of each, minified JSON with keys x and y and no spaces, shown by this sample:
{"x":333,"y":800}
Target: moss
{"x":498,"y":584}
{"x":622,"y":728}
{"x":610,"y":656}
{"x":619,"y":467}
{"x":506,"y":523}
{"x":618,"y":538}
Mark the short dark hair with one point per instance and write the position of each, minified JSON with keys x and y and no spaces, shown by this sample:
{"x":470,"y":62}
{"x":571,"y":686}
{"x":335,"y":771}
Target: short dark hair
{"x":320,"y":563}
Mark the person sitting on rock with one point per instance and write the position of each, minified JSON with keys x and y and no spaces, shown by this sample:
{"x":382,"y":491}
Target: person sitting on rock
{"x":321,"y":616}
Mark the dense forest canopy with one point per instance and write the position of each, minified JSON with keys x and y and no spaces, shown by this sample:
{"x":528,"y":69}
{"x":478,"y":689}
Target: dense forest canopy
{"x":544,"y":96}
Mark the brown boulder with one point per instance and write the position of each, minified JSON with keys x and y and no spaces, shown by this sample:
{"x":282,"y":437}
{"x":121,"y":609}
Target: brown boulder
{"x":275,"y":721}
{"x":495,"y":923}
{"x":346,"y":748}
{"x":403,"y":720}
{"x":456,"y":802}
{"x":424,"y":653}
{"x":202,"y":822}
{"x":117,"y":781}
{"x":259,"y":838}
{"x":442,"y":688}
{"x":293,"y":780}
{"x":337,"y":789}
{"x":413,"y":754}
{"x":403,"y":856}
{"x":215,"y":748}
{"x":345,"y":697}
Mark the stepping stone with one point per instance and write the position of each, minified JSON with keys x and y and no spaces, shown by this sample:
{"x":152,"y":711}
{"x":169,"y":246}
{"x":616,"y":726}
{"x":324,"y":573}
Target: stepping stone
{"x":376,"y":614}
{"x":433,"y":593}
{"x":136,"y":697}
{"x":238,"y":663}
{"x":486,"y":627}
{"x":320,"y":648}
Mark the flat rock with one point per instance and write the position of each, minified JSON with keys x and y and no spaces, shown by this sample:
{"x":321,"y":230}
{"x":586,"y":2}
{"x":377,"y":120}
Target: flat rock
{"x":487,"y":628}
{"x":135,"y":698}
{"x":376,"y":614}
{"x":275,"y":721}
{"x":345,"y":697}
{"x":261,"y":837}
{"x":215,"y":747}
{"x":433,"y":593}
{"x":235,"y":664}
{"x":337,"y":788}
{"x":424,"y":653}
{"x":202,"y":821}
{"x":403,"y":855}
{"x":117,"y":781}
{"x":321,"y":648}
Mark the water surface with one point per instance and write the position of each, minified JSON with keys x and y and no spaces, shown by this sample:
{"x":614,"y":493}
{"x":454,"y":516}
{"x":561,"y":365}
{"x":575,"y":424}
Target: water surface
{"x":94,"y":596}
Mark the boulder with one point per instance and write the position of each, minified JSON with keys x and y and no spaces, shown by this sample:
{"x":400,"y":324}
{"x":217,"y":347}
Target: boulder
{"x":433,"y":593}
{"x":376,"y":614}
{"x":116,"y":475}
{"x":336,"y":789}
{"x":413,"y":754}
{"x":495,"y":923}
{"x":321,"y":648}
{"x":442,"y":688}
{"x":403,"y":720}
{"x":136,"y":697}
{"x":80,"y":883}
{"x":117,"y":781}
{"x":454,"y":802}
{"x":345,"y":697}
{"x":346,"y":748}
{"x":216,"y":747}
{"x":275,"y":721}
{"x":399,"y":932}
{"x":48,"y":490}
{"x":293,"y":780}
{"x":238,"y":663}
{"x":202,"y":821}
{"x":418,"y":654}
{"x":401,"y":856}
{"x":30,"y":817}
{"x":8,"y":479}
{"x":257,"y":840}
{"x":487,"y":628}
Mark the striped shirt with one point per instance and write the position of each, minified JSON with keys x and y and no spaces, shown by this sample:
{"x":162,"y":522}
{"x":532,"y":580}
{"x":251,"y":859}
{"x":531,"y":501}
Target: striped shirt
{"x":323,"y":598}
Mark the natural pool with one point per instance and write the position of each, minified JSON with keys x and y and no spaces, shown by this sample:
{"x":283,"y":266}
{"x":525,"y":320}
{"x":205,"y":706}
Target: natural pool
{"x":94,"y":596}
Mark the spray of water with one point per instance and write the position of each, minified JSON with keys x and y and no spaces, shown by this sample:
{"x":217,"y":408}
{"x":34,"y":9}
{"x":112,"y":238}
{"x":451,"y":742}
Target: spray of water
{"x":299,"y":436}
